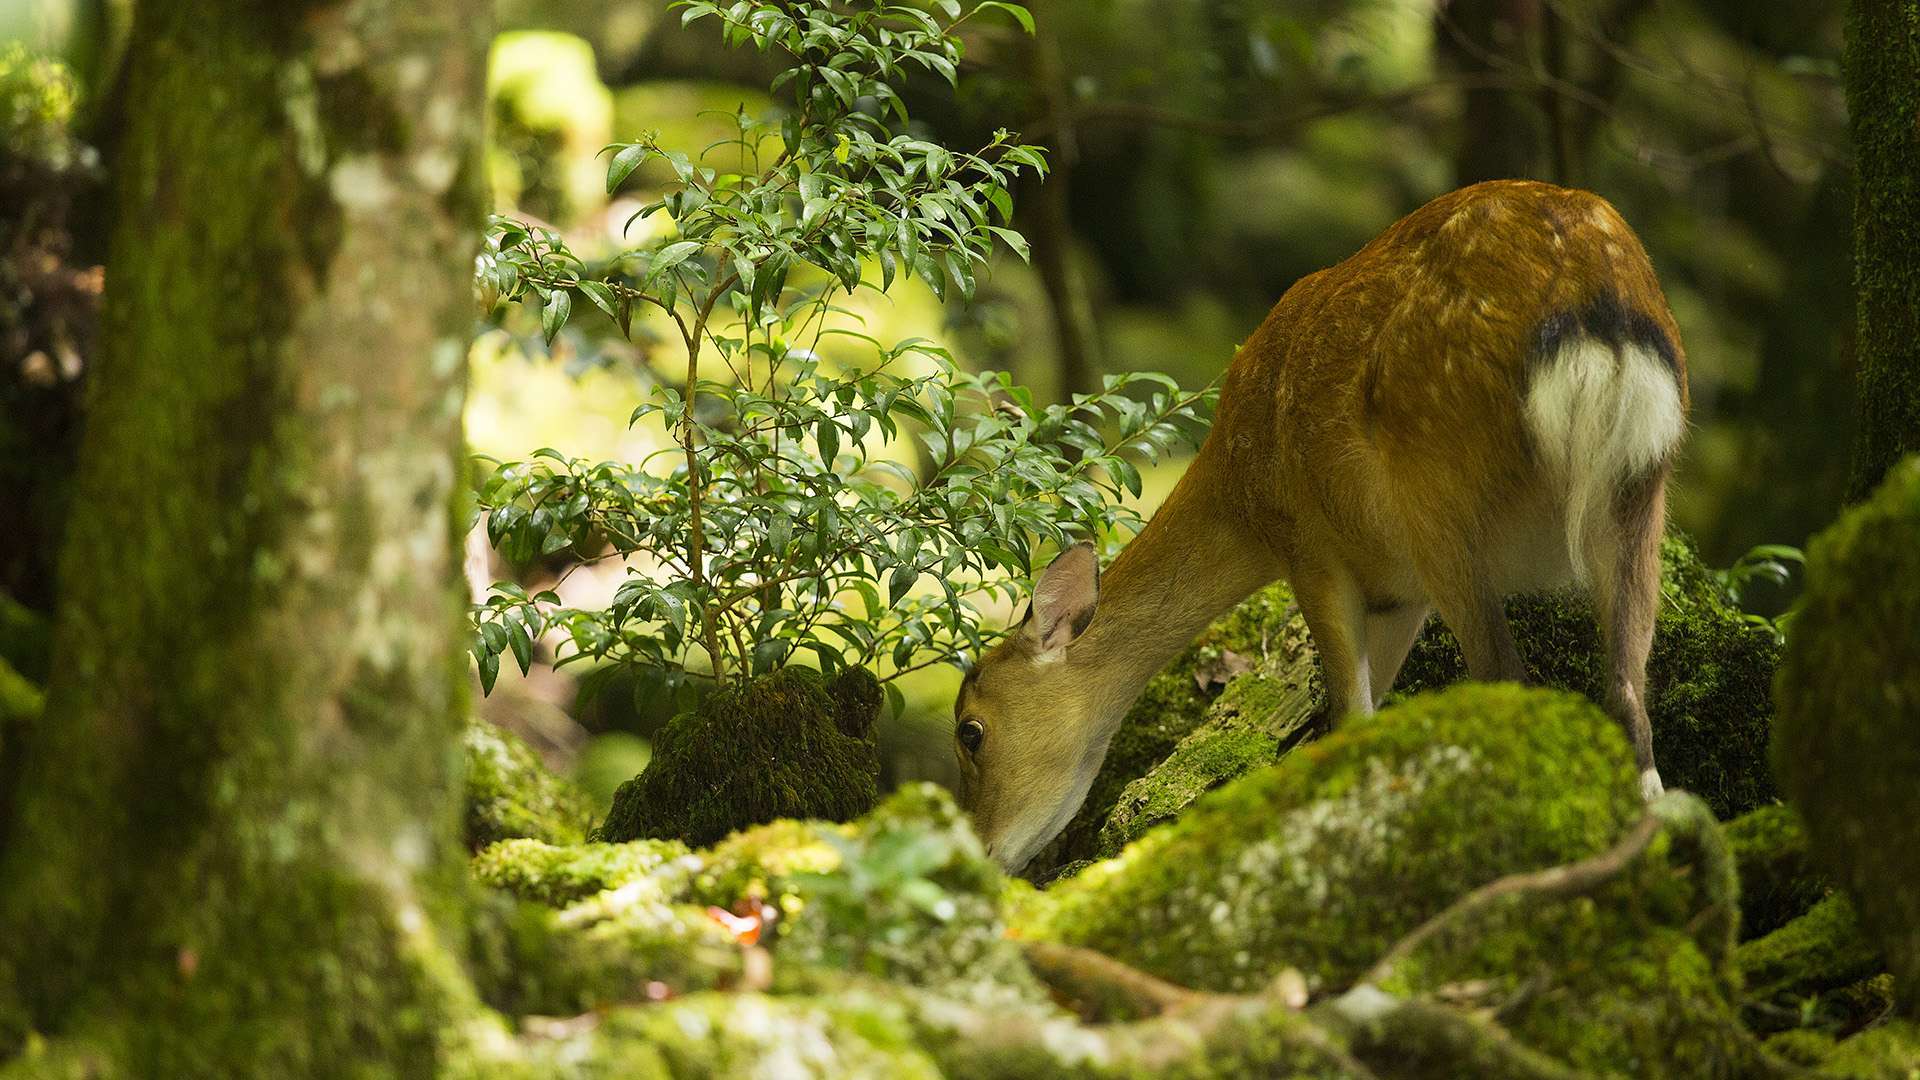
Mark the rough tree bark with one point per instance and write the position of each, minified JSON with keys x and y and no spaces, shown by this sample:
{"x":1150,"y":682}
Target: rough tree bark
{"x":1883,"y":105}
{"x":233,"y":846}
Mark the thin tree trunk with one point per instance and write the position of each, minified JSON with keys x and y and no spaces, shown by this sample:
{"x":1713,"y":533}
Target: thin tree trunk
{"x":1883,"y":72}
{"x":232,"y":849}
{"x":1503,"y":134}
{"x":1050,"y":229}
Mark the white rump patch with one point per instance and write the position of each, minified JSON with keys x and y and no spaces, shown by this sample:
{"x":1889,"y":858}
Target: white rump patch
{"x":1601,"y":416}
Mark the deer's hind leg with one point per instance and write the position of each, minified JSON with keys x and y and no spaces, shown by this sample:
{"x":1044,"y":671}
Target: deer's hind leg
{"x":1623,"y":561}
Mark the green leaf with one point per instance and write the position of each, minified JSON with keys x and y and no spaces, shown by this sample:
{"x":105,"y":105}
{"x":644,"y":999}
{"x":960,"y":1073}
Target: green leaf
{"x":1020,"y":15}
{"x":1013,"y":240}
{"x":489,"y":671}
{"x":522,"y":646}
{"x":554,"y":315}
{"x":624,"y":162}
{"x":899,"y":582}
{"x":602,"y":296}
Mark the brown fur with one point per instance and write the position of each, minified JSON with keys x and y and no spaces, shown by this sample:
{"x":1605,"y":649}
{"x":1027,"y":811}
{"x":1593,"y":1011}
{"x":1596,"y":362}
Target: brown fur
{"x":1372,"y":446}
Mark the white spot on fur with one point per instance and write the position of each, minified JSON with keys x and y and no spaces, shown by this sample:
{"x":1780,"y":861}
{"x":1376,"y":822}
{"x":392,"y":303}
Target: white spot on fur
{"x":1600,"y":417}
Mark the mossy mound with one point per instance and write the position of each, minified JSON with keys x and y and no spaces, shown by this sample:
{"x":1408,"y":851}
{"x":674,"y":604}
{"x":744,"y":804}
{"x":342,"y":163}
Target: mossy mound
{"x":558,"y":875}
{"x":1709,"y":678}
{"x":511,"y":793}
{"x":787,"y":745}
{"x":1634,"y":978}
{"x":1848,"y":742}
{"x":1777,"y":880}
{"x":1823,"y":949}
{"x":1322,"y":861}
{"x":1890,"y":1051}
{"x":1173,"y":704}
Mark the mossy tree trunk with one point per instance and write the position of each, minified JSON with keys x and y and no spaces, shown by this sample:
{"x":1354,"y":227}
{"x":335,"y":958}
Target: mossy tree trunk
{"x":233,"y":846}
{"x":1883,"y":104}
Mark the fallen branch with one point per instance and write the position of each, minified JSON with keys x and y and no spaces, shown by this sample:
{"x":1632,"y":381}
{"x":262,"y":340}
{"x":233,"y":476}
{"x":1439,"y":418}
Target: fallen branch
{"x":1102,"y":987}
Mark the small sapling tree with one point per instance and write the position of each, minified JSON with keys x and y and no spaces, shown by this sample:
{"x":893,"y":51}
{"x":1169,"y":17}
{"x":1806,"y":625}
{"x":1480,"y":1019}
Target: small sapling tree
{"x":806,"y":502}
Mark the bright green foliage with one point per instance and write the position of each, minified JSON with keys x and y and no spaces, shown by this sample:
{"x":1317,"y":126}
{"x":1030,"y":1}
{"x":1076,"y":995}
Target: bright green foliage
{"x":1848,"y":741}
{"x":1820,"y":950}
{"x":787,"y":745}
{"x":1709,"y":679}
{"x":1325,"y":859}
{"x":810,"y":501}
{"x":1173,"y":704}
{"x":558,"y":875}
{"x":510,"y":793}
{"x":37,"y":99}
{"x":1777,"y":879}
{"x":548,"y":113}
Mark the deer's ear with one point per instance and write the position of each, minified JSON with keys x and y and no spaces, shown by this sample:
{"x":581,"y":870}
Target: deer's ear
{"x":1063,"y":602}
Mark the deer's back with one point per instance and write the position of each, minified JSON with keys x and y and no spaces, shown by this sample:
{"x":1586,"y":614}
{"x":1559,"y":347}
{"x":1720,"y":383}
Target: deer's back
{"x":1405,"y":367}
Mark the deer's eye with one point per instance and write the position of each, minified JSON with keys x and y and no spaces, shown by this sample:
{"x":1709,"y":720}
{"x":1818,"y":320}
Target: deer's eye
{"x":970,"y":732}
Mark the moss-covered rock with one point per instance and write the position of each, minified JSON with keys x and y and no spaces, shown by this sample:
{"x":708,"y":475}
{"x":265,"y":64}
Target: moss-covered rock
{"x":1322,"y":861}
{"x":1633,"y":978}
{"x":1708,"y":679}
{"x":1777,"y":880}
{"x":1890,"y":1051}
{"x":1821,"y":950}
{"x":754,"y":1035}
{"x":1173,"y":704}
{"x":914,"y":900}
{"x":558,"y":875}
{"x":630,"y":944}
{"x":1848,"y":742}
{"x":510,"y":793}
{"x":787,"y":745}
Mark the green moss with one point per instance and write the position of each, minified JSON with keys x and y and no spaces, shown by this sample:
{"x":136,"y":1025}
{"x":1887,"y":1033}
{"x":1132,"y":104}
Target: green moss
{"x":1173,"y":704}
{"x":510,"y":793}
{"x":1708,"y":679}
{"x":753,"y":1035}
{"x":787,"y":745}
{"x":1260,"y":715}
{"x":557,"y":876}
{"x":1632,"y":978}
{"x":1821,"y":950}
{"x":1323,"y":860}
{"x":1848,"y":742}
{"x":915,"y":900}
{"x":622,"y":946}
{"x":1777,"y":879}
{"x":1890,"y":1051}
{"x":1800,"y":1046}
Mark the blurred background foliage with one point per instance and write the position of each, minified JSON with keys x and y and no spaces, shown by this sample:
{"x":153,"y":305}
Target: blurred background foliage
{"x":1207,"y":153}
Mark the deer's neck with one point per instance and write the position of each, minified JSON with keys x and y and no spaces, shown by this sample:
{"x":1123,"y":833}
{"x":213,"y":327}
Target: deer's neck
{"x":1192,"y":563}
